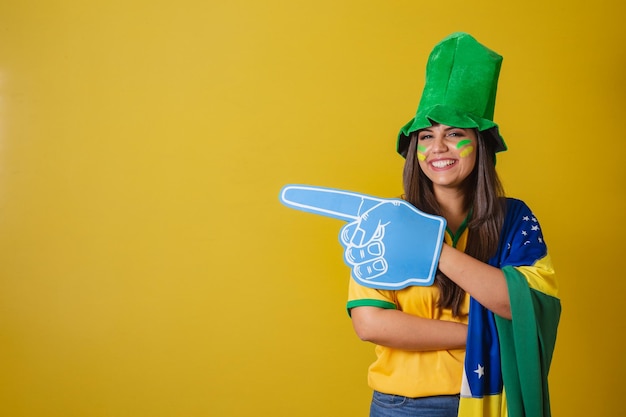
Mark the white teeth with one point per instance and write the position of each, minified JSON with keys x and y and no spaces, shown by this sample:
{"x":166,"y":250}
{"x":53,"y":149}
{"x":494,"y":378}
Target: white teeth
{"x":443,"y":163}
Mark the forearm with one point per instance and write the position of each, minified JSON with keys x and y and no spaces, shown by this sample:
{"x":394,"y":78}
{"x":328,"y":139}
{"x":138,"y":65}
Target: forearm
{"x":399,"y":330}
{"x":482,"y":281}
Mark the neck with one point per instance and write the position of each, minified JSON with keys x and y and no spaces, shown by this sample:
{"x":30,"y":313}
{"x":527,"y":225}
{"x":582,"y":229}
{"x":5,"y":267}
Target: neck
{"x":452,"y":204}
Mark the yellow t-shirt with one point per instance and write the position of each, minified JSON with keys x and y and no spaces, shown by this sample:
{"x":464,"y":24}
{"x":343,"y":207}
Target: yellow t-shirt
{"x":414,"y":374}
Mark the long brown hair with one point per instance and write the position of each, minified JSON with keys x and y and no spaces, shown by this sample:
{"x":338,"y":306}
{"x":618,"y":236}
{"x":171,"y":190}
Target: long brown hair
{"x":484,"y":201}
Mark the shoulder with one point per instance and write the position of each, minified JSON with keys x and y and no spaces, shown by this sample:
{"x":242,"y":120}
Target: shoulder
{"x":515,"y":203}
{"x":521,"y":237}
{"x":518,"y":209}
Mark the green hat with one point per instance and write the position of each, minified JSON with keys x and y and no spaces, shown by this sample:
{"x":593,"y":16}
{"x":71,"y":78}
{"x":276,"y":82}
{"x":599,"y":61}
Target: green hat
{"x":460,"y":89}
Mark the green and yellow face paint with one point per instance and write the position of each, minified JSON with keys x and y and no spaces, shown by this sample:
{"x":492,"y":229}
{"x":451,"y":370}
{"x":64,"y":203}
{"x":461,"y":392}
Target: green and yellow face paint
{"x":465,"y":145}
{"x":420,"y":152}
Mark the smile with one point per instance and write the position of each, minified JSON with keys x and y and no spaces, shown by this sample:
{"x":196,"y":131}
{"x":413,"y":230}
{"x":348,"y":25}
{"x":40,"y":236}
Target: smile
{"x":443,"y":163}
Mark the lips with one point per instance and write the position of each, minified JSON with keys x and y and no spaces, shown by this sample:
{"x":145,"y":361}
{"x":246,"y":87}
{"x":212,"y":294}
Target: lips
{"x":442,"y":163}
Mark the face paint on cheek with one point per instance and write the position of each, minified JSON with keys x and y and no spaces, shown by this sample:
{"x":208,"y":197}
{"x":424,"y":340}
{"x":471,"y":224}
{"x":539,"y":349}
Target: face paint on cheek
{"x":420,"y":152}
{"x":468,"y":150}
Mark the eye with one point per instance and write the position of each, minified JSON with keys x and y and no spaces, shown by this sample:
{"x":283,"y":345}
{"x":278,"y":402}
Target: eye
{"x":424,"y":136}
{"x":456,"y":133}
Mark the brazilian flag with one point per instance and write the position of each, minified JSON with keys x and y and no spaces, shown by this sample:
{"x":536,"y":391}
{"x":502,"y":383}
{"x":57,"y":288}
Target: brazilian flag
{"x":507,"y":361}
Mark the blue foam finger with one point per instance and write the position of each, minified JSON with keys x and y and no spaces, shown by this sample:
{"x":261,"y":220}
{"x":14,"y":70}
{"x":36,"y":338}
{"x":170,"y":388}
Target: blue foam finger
{"x":330,"y":202}
{"x":410,"y":240}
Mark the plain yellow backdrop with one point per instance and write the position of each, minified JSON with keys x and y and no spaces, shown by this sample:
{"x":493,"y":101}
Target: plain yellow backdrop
{"x":146,"y":266}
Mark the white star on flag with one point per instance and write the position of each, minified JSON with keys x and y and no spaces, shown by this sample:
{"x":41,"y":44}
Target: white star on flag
{"x":480,"y":371}
{"x":524,"y":232}
{"x":535,"y":228}
{"x":525,"y":218}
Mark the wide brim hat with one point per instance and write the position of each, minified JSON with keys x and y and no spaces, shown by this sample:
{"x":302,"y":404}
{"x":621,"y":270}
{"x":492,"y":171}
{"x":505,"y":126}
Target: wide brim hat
{"x":460,"y":89}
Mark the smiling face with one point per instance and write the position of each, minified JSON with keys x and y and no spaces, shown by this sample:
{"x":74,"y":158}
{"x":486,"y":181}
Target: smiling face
{"x":447,"y":155}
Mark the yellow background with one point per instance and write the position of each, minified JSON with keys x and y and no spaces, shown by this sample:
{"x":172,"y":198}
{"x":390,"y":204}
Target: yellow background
{"x":146,"y":266}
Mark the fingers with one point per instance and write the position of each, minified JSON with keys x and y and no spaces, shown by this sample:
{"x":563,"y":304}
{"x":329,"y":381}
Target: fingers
{"x":366,"y":260}
{"x":339,"y":204}
{"x":370,"y":270}
{"x":360,"y":233}
{"x":355,"y":255}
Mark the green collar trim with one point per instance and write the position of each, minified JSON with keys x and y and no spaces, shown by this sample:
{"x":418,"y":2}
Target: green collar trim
{"x":456,"y":236}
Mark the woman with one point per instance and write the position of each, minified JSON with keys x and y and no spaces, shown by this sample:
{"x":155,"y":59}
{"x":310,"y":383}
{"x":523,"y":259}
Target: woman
{"x":494,"y":271}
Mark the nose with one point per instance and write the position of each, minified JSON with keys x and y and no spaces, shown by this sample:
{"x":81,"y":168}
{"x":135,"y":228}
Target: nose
{"x":439,"y":144}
